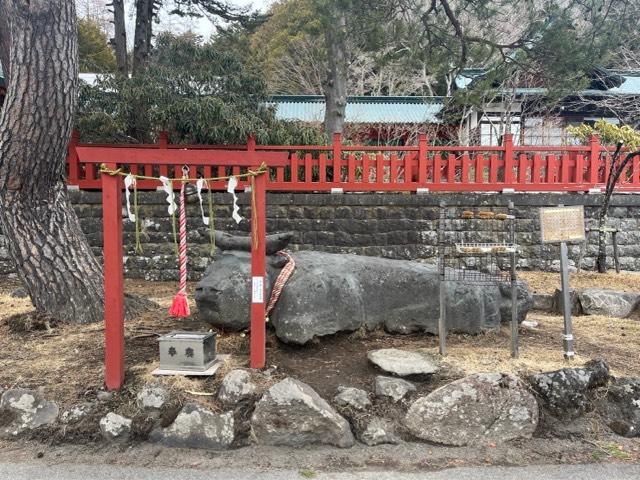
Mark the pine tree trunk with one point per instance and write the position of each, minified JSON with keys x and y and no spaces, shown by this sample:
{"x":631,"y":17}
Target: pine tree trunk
{"x":120,"y":37}
{"x":51,"y":255}
{"x":335,"y":85}
{"x":142,"y":35}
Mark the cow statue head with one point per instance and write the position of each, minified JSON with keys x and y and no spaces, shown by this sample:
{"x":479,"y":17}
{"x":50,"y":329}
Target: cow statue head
{"x":223,"y":295}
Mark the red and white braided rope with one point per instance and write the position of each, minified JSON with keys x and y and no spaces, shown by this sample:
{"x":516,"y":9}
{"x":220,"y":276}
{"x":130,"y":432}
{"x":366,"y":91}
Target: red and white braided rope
{"x":283,"y":276}
{"x":183,"y":242}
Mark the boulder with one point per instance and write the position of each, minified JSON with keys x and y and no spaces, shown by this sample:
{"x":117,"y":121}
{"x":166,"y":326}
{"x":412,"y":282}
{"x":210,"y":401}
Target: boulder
{"x":393,"y":388}
{"x":576,"y":308}
{"x":24,"y":410}
{"x":352,"y":398}
{"x":236,"y":385}
{"x":543,"y":301}
{"x":378,"y":431}
{"x":621,"y":407}
{"x":402,"y":362}
{"x":153,"y":396}
{"x":292,"y":413}
{"x":475,"y":410}
{"x":197,"y":427}
{"x":566,"y":393}
{"x":330,"y":293}
{"x":115,"y":428}
{"x":595,"y":301}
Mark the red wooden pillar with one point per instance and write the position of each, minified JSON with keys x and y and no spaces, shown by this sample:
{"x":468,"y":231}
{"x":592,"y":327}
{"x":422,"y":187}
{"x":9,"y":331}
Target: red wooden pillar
{"x":337,"y":157}
{"x":594,"y":158}
{"x":508,"y":159}
{"x":423,"y":143}
{"x":258,"y":252}
{"x":113,"y":280}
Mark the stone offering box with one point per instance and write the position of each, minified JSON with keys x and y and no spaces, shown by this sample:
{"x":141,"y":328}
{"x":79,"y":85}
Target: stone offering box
{"x":191,"y":351}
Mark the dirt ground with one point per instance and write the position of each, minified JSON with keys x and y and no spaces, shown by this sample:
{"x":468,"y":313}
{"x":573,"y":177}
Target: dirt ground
{"x":66,"y":360}
{"x":547,"y":282}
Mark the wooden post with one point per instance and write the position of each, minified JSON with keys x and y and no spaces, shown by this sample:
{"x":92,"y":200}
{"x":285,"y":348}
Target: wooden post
{"x":113,"y":280}
{"x":594,"y":159}
{"x":337,"y":157}
{"x":258,"y":252}
{"x":567,"y":335}
{"x":423,"y":143}
{"x":508,"y":159}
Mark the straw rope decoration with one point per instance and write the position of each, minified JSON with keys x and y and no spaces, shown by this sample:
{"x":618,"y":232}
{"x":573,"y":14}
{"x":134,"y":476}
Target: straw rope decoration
{"x":180,"y":305}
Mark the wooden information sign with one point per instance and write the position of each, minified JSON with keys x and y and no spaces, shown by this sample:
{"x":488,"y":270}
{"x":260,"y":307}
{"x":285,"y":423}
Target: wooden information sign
{"x":562,"y":224}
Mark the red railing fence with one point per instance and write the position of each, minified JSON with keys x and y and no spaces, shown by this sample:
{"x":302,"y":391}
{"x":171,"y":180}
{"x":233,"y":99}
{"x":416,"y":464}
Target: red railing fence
{"x":361,"y":168}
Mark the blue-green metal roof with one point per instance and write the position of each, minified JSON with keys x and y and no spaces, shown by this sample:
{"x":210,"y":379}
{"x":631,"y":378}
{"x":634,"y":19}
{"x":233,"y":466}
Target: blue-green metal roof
{"x":311,"y":108}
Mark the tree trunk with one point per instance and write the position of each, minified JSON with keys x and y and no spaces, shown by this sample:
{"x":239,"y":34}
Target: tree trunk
{"x":5,"y":41}
{"x":335,"y":85}
{"x":120,"y":37}
{"x":142,"y":36}
{"x":51,"y":255}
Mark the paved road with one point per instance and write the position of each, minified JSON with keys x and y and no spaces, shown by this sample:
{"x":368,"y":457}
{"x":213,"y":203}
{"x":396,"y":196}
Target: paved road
{"x":40,"y":471}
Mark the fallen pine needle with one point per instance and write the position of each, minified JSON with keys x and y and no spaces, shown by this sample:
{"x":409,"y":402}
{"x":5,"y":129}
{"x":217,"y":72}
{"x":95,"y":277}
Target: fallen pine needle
{"x":201,"y":394}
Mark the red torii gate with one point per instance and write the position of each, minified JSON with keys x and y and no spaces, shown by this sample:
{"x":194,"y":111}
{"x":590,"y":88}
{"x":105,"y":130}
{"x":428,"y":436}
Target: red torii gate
{"x":112,"y":186}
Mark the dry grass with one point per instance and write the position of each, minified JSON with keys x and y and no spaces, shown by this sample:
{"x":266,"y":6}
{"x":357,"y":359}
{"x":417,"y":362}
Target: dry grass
{"x":547,"y":282}
{"x":67,"y":361}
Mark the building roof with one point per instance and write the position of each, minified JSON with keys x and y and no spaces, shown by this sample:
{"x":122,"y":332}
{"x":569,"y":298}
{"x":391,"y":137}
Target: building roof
{"x":311,"y":108}
{"x":630,"y":83}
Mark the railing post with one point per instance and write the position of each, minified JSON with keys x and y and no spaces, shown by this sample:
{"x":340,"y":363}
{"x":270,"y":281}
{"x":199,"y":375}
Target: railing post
{"x":508,"y":159}
{"x":72,"y":159}
{"x":251,"y":142}
{"x":594,"y":158}
{"x":258,"y":252}
{"x":337,"y":157}
{"x":422,"y":158}
{"x":113,"y":280}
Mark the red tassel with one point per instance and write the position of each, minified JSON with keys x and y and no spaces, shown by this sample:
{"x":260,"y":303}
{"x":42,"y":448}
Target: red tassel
{"x":180,"y":306}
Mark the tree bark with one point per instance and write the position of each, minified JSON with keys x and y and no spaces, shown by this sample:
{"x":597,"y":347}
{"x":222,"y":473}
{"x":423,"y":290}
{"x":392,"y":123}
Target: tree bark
{"x":51,"y":255}
{"x":143,"y":34}
{"x":120,"y":37}
{"x":5,"y":41}
{"x":335,"y":85}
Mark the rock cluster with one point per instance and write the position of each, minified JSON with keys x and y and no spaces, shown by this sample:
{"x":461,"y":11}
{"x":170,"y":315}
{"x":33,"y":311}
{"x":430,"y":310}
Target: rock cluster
{"x":25,"y":410}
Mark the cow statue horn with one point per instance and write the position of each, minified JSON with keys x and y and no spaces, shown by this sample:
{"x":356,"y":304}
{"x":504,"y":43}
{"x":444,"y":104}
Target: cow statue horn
{"x":275,"y":243}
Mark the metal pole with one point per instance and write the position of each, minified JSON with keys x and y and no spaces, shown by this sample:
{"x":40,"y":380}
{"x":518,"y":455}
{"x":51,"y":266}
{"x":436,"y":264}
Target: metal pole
{"x":514,"y":288}
{"x":567,"y":337}
{"x":442,"y":327}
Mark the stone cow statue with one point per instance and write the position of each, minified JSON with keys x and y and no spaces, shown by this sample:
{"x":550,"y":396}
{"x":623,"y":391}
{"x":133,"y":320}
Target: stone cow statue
{"x":328,"y":293}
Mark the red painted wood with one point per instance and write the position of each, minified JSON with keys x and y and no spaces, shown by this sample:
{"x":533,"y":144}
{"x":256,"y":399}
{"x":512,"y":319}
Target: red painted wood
{"x":258,"y":322}
{"x":422,"y":158}
{"x":279,"y":174}
{"x":464,"y":171}
{"x":337,"y":157}
{"x":636,"y":171}
{"x":437,"y":169}
{"x":536,"y":174}
{"x":379,"y":168}
{"x":564,"y":169}
{"x":579,"y":170}
{"x":394,"y":166}
{"x":493,"y":169}
{"x":508,"y":158}
{"x":523,"y":168}
{"x":113,"y":280}
{"x":451,"y":168}
{"x":407,"y":169}
{"x":294,"y":168}
{"x":479,"y":168}
{"x":351,"y":168}
{"x":365,"y":168}
{"x":551,"y":169}
{"x":322,"y":167}
{"x":308,"y":168}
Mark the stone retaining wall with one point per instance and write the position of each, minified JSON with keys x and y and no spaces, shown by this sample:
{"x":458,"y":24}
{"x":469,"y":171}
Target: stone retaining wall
{"x":389,"y":225}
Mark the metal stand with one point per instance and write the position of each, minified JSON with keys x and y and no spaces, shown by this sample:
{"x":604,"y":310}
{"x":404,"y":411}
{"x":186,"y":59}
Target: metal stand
{"x":567,"y":337}
{"x":481,"y":242}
